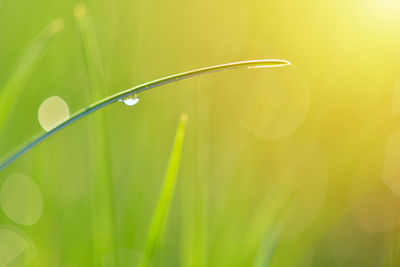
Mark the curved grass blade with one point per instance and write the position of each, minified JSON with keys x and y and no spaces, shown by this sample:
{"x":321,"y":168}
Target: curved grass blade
{"x":164,"y":203}
{"x":251,"y":64}
{"x":12,"y":89}
{"x":103,"y":220}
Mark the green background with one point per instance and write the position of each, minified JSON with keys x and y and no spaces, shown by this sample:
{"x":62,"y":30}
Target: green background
{"x":293,"y":166}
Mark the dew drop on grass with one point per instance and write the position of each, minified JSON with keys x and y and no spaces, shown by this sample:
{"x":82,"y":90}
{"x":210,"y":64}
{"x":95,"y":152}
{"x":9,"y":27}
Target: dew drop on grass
{"x":130,"y":100}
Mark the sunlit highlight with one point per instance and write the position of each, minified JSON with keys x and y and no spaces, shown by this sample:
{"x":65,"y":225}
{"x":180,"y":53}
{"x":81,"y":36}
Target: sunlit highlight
{"x":52,"y":112}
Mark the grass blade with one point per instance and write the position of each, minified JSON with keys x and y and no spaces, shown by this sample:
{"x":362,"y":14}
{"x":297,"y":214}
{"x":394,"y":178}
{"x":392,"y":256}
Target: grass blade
{"x":91,"y":51}
{"x":164,"y":203}
{"x":12,"y":89}
{"x":103,"y":221}
{"x":194,"y":191}
{"x":251,"y":64}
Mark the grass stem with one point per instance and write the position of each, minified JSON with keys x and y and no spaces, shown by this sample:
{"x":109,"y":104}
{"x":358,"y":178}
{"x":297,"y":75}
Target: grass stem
{"x":13,"y":88}
{"x":104,"y":233}
{"x":250,"y":64}
{"x":167,"y":192}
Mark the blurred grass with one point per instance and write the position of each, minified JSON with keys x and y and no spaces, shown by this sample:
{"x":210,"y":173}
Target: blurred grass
{"x":267,"y":248}
{"x":161,"y":212}
{"x":103,"y":219}
{"x":194,"y":202}
{"x":14,"y":85}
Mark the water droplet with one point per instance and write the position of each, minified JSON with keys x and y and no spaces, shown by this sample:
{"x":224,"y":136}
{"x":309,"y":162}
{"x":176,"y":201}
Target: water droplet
{"x":130,"y":100}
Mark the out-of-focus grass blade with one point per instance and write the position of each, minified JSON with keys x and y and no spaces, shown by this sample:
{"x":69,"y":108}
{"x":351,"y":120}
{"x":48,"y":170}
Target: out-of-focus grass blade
{"x":103,"y":221}
{"x":164,"y":203}
{"x":194,"y":228}
{"x":12,"y":89}
{"x":263,"y":230}
{"x":267,"y":248}
{"x":91,"y":51}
